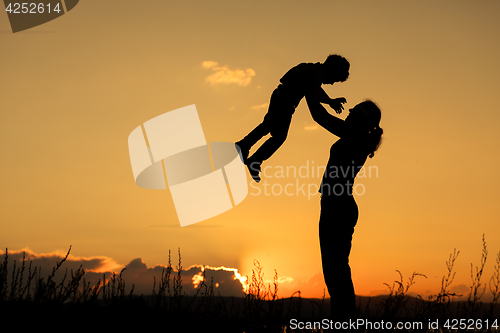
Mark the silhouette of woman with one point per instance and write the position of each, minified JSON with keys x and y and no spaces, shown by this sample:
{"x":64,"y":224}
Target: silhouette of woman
{"x":360,"y":136}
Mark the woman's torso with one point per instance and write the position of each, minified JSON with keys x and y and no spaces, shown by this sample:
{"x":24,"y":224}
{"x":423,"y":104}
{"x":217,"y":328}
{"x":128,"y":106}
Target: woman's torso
{"x":347,"y":157}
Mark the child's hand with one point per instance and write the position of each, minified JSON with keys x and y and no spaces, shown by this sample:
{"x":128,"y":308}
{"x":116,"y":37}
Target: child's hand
{"x":336,"y":104}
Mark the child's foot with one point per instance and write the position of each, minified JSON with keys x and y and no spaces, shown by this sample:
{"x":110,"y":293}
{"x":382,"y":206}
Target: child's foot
{"x":254,"y":168}
{"x":242,"y":152}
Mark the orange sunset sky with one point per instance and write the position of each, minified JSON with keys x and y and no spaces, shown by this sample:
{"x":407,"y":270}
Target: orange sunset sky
{"x":73,"y":89}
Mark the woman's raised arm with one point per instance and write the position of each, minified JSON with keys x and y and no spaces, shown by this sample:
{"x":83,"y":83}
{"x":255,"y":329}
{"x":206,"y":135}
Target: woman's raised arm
{"x":329,"y":122}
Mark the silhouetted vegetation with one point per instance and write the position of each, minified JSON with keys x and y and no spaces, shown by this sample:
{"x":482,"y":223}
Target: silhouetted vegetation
{"x":28,"y":298}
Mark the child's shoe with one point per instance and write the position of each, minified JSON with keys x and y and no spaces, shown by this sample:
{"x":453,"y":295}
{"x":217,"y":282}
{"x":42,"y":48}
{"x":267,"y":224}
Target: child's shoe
{"x":254,"y":168}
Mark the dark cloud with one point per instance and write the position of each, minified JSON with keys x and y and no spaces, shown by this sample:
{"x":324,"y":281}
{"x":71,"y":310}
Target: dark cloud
{"x":145,"y":278}
{"x":45,"y":263}
{"x":460,"y":289}
{"x":136,"y":273}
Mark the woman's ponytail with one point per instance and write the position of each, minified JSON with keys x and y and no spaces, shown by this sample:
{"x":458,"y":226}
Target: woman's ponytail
{"x":373,"y":114}
{"x":374,"y":139}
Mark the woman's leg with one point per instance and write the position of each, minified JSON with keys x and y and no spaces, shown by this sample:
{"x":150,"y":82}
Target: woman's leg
{"x":337,"y":220}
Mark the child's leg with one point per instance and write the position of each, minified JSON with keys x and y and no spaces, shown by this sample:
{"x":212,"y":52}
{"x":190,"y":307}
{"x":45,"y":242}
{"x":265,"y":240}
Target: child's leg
{"x":268,"y":125}
{"x":255,"y":135}
{"x":279,"y":130}
{"x":243,"y":146}
{"x":277,"y":122}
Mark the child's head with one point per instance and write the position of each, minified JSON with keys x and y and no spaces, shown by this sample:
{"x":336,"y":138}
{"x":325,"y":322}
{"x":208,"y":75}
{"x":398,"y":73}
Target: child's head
{"x":336,"y":69}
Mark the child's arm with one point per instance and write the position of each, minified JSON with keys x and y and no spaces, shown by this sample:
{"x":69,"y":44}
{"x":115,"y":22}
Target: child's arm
{"x":329,"y":122}
{"x":321,"y":96}
{"x":336,"y":104}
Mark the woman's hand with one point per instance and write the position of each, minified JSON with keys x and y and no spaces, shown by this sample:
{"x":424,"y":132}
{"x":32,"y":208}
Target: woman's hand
{"x":336,"y":104}
{"x":330,"y":122}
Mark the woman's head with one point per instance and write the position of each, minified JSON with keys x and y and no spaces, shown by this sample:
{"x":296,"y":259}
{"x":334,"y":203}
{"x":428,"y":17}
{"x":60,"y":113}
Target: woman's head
{"x":368,"y":115}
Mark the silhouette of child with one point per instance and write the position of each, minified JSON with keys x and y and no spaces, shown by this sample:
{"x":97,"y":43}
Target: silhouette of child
{"x":301,"y":79}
